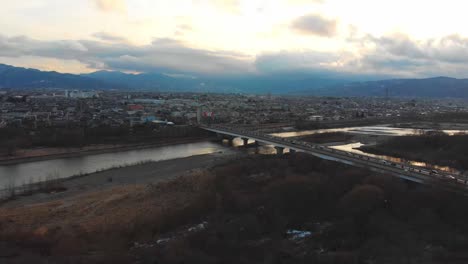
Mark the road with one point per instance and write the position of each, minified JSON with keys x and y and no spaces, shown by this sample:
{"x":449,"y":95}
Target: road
{"x":402,"y":170}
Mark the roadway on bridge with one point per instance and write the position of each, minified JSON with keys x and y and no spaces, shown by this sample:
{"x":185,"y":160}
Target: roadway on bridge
{"x":401,"y":170}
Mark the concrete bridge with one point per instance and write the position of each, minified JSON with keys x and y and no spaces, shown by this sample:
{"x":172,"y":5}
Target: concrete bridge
{"x":405,"y":171}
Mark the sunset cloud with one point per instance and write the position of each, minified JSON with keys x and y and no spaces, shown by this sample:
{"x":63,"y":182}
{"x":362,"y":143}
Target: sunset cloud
{"x":315,"y":25}
{"x":227,"y":5}
{"x":111,"y":5}
{"x":239,"y":36}
{"x":161,"y":54}
{"x":109,"y":37}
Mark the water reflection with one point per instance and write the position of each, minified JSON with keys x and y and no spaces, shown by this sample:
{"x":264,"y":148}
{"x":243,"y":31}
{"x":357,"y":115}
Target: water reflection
{"x":15,"y":175}
{"x":367,"y":130}
{"x":353,"y":147}
{"x":252,"y":148}
{"x":26,"y":173}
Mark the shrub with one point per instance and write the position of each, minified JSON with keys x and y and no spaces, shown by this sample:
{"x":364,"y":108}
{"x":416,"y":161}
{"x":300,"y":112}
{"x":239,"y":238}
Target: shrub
{"x":362,"y":200}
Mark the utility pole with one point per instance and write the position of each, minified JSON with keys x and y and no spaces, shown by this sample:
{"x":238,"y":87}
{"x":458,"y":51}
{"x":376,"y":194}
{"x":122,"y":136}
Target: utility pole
{"x":199,"y":113}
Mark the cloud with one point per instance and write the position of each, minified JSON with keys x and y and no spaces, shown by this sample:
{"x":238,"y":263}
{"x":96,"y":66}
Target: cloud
{"x":182,"y":29}
{"x":315,"y":25}
{"x":231,"y":6}
{"x":299,"y":61}
{"x":394,"y":55}
{"x":162,"y":54}
{"x":109,"y":37}
{"x":401,"y":55}
{"x":449,"y":49}
{"x":390,"y":55}
{"x":302,"y":2}
{"x":111,"y":5}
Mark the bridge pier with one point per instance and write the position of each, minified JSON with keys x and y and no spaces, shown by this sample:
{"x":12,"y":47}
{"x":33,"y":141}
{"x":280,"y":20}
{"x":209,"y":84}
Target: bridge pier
{"x":279,"y":150}
{"x":292,"y":151}
{"x":257,"y":151}
{"x":246,"y":141}
{"x":230,"y":141}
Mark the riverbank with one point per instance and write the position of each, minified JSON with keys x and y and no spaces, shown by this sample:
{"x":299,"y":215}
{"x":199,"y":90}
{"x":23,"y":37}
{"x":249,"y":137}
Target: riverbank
{"x":94,"y":150}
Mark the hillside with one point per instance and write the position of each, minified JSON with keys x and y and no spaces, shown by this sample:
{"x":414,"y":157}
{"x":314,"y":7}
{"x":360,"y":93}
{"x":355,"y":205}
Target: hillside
{"x":23,"y":78}
{"x":145,"y":81}
{"x":290,"y":84}
{"x":437,"y":87}
{"x":256,"y":84}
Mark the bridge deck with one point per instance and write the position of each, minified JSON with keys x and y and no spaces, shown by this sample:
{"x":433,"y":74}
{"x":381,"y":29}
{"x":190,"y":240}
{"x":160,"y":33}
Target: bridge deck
{"x":401,"y":170}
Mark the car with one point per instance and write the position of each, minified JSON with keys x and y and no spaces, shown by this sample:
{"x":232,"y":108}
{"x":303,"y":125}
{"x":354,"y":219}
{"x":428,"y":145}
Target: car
{"x":450,"y":177}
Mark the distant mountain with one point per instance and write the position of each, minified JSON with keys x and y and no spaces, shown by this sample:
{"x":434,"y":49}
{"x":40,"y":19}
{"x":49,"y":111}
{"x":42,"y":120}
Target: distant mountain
{"x":438,"y":87}
{"x":293,"y":84}
{"x":23,"y":78}
{"x":325,"y":84}
{"x":255,"y":84}
{"x":146,"y":81}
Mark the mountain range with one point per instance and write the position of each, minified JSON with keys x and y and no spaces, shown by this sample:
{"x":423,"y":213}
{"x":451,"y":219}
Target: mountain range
{"x":291,"y":84}
{"x":437,"y":87}
{"x":22,"y":78}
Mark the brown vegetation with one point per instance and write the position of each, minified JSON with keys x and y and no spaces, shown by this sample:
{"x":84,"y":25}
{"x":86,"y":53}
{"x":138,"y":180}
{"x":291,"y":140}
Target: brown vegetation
{"x":434,"y":148}
{"x":246,"y":209}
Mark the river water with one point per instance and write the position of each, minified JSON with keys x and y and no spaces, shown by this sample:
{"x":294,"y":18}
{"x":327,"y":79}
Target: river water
{"x":24,"y":173}
{"x":38,"y":171}
{"x":384,"y":130}
{"x":353,"y":147}
{"x":367,"y":130}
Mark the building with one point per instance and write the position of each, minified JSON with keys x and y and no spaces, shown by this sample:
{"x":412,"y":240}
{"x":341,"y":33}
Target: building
{"x":81,"y":94}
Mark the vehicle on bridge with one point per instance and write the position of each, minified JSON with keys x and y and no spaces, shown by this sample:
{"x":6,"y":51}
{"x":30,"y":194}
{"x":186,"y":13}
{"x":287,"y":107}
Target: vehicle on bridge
{"x":396,"y":168}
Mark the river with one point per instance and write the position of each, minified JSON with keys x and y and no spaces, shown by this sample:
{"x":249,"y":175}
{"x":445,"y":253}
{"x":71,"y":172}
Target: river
{"x":353,"y":147}
{"x":384,"y":130}
{"x":25,"y":173}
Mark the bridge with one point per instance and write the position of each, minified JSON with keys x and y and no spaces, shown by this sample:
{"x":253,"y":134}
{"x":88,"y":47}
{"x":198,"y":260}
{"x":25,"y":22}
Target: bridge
{"x":405,"y":171}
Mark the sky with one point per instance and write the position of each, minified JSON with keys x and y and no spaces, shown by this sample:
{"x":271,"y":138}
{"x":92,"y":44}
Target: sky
{"x":400,"y":38}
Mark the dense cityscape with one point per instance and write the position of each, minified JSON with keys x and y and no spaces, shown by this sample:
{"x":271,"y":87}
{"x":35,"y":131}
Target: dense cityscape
{"x":35,"y":109}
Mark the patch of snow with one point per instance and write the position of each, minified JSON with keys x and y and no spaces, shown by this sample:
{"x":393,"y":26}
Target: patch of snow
{"x":298,"y":234}
{"x":198,"y":227}
{"x":162,"y":240}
